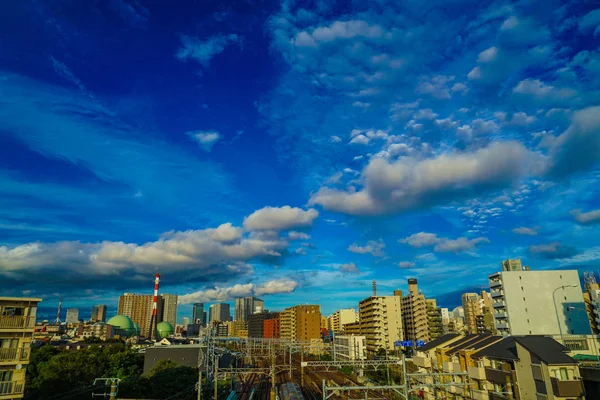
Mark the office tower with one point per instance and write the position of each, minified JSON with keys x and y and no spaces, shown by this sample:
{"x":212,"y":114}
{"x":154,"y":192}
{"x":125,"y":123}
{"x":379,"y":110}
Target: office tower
{"x":246,"y":306}
{"x":186,"y":322}
{"x":72,"y":316}
{"x":302,"y":322}
{"x":350,"y":347}
{"x":220,"y":312}
{"x":512,"y":265}
{"x":17,"y":323}
{"x":168,"y":312}
{"x":338,"y":319}
{"x":380,"y":322}
{"x":472,"y":308}
{"x":138,"y":307}
{"x":434,"y":319}
{"x":198,"y":314}
{"x":99,"y":313}
{"x":538,"y":303}
{"x":414,"y":313}
{"x":256,"y":324}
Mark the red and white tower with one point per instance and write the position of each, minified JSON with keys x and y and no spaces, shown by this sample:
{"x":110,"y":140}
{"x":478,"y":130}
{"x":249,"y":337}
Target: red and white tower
{"x":153,"y":320}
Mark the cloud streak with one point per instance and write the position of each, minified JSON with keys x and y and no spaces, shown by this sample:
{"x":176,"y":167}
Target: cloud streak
{"x":276,"y":286}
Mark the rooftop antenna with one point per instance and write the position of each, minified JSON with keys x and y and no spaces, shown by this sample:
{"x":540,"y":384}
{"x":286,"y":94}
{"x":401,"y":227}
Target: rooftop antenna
{"x":374,"y":288}
{"x":57,"y":320}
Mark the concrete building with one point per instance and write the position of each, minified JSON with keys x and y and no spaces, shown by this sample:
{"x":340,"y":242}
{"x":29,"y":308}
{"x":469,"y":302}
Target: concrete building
{"x":538,"y":303}
{"x":472,"y":308}
{"x":99,"y":313}
{"x":512,"y":265}
{"x":271,"y":328}
{"x":302,"y":322}
{"x":435,"y":325}
{"x":256,"y":324}
{"x":414,"y":313}
{"x":72,"y":316}
{"x":17,"y":323}
{"x":338,"y":319}
{"x":219,"y":312}
{"x":138,"y":307}
{"x":352,"y":329}
{"x":381,"y":322}
{"x":186,"y":322}
{"x":198,"y":314}
{"x":246,"y":306}
{"x":445,"y":315}
{"x":592,"y":288}
{"x":350,"y":347}
{"x":168,"y":312}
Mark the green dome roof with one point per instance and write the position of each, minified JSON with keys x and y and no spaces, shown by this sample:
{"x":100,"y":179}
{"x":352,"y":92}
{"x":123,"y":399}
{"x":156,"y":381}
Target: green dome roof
{"x":164,"y":329}
{"x":137,"y":329}
{"x":124,"y":323}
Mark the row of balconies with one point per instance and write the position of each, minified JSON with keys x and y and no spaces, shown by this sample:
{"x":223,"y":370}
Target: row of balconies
{"x":8,"y":388}
{"x":18,"y":322}
{"x":14,"y":354}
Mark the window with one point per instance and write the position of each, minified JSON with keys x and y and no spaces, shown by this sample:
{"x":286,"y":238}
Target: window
{"x":523,"y":298}
{"x":561,"y":374}
{"x":528,"y":321}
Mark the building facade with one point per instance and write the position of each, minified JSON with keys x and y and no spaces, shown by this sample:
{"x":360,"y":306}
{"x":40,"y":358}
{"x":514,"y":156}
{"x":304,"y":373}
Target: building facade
{"x":472,"y":308}
{"x":168,"y":312}
{"x":219,"y":312}
{"x":72,"y":316}
{"x":414,"y":313}
{"x":138,"y":307}
{"x":247,"y":306}
{"x":381,"y":322}
{"x":271,"y":328}
{"x":302,"y":322}
{"x":198,"y":314}
{"x":99,"y":313}
{"x":435,"y":324}
{"x":512,"y":265}
{"x":350,"y":347}
{"x":338,"y":319}
{"x":538,"y":303}
{"x":17,"y":323}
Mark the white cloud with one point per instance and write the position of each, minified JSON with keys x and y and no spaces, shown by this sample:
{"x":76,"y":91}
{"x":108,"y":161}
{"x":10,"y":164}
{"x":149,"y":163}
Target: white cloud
{"x":406,"y":264}
{"x":335,"y":139}
{"x":587,"y":218}
{"x":590,"y":21}
{"x":488,"y":55}
{"x":552,"y":251}
{"x":277,"y":286}
{"x":424,"y":239}
{"x":374,"y":247}
{"x":349,"y":268}
{"x":360,"y":139}
{"x":425,"y":113}
{"x":521,"y":119}
{"x":294,"y":235}
{"x":537,"y":90}
{"x":437,"y":87}
{"x":340,"y":30}
{"x":280,"y":218}
{"x":203,"y":50}
{"x":525,"y":231}
{"x":478,"y":127}
{"x":412,"y":183}
{"x":206,"y":139}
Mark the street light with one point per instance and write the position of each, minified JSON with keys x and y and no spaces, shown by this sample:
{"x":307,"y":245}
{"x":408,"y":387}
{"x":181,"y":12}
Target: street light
{"x":556,"y":308}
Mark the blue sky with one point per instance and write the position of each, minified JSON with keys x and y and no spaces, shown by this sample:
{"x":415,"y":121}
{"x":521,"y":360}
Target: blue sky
{"x":294,"y":150}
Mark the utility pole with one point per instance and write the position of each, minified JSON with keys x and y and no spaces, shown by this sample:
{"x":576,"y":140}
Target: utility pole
{"x":273,"y":389}
{"x":405,"y":377}
{"x":114,"y":387}
{"x":216,"y":379}
{"x":301,"y":366}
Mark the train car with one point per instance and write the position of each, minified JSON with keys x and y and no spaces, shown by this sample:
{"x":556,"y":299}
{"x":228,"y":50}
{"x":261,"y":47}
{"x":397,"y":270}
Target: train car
{"x":290,"y":391}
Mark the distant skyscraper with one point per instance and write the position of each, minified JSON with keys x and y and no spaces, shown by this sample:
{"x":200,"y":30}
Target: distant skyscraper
{"x":512,"y":265}
{"x":99,"y":313}
{"x":246,"y":306}
{"x":198,"y":314}
{"x":186,"y":322}
{"x":72,"y":316}
{"x":220,"y":312}
{"x":169,"y":309}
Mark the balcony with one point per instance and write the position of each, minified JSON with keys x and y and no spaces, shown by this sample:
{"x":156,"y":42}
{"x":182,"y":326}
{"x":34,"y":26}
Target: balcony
{"x":495,"y":283}
{"x":14,"y":355}
{"x":480,"y":394}
{"x":17,"y":322}
{"x":10,"y":388}
{"x":571,"y":388}
{"x":499,"y":303}
{"x":500,"y":315}
{"x":496,"y":293}
{"x":497,"y":376}
{"x":476,"y":372}
{"x":421,"y":361}
{"x":502,"y":325}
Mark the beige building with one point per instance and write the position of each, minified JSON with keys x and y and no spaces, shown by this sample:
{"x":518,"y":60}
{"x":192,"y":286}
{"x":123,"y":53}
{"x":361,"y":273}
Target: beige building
{"x":138,"y":307}
{"x":435,"y":323}
{"x":414,"y":313}
{"x":17,"y":323}
{"x":472,"y":308}
{"x":302,"y":322}
{"x":350,"y":347}
{"x":512,"y":265}
{"x":381,"y":322}
{"x":340,"y":318}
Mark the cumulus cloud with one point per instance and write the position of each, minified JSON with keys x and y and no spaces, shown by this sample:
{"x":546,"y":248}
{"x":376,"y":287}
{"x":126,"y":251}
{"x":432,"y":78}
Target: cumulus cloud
{"x":438,"y":87}
{"x":441,"y":244}
{"x":277,"y":286}
{"x":203,"y":50}
{"x":294,"y":235}
{"x":349,"y":268}
{"x":280,"y":218}
{"x":577,"y":148}
{"x":206,"y":139}
{"x":586,"y":218}
{"x":409,"y":183}
{"x":374,"y":247}
{"x":590,"y":22}
{"x":536,"y":90}
{"x":406,"y":264}
{"x":478,"y":127}
{"x":525,"y":231}
{"x":552,"y":251}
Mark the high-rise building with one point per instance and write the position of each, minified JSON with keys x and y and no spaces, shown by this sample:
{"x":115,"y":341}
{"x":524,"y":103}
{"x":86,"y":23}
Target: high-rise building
{"x":99,"y":313}
{"x":434,"y":319}
{"x":271,"y":328}
{"x":512,"y":265}
{"x":17,"y":323}
{"x":246,"y":306}
{"x":186,"y":322}
{"x":168,"y":311}
{"x":220,"y":312}
{"x":138,"y":307}
{"x":380,"y":322}
{"x":198,"y":314}
{"x":445,"y":315}
{"x":72,"y":316}
{"x":302,"y":322}
{"x":256,"y":324}
{"x":414,"y":313}
{"x":538,"y":303}
{"x":338,"y":319}
{"x":472,"y":308}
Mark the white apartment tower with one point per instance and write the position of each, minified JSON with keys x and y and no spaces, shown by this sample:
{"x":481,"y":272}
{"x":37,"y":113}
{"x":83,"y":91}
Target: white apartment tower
{"x":338,"y":319}
{"x":381,"y":321}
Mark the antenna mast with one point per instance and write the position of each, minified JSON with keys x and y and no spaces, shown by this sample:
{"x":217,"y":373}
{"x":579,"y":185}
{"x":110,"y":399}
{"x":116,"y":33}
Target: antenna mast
{"x":57,"y":320}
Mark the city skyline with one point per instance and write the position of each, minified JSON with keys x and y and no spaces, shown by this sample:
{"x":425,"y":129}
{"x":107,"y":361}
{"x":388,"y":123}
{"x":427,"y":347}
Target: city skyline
{"x":294,"y":154}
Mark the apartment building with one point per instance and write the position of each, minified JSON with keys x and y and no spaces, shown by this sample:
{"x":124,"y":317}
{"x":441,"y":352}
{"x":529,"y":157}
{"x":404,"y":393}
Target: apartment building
{"x":350,"y":347}
{"x":352,"y":329}
{"x":17,"y":323}
{"x":138,"y":307}
{"x":414,"y":313}
{"x":271,"y":329}
{"x":340,"y":318}
{"x":538,"y":303}
{"x":168,"y":312}
{"x":99,"y":313}
{"x":72,"y":316}
{"x":256,"y":324}
{"x":381,"y":322}
{"x":525,"y":367}
{"x":435,"y":325}
{"x":219,"y":312}
{"x":472,"y":308}
{"x":302,"y":322}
